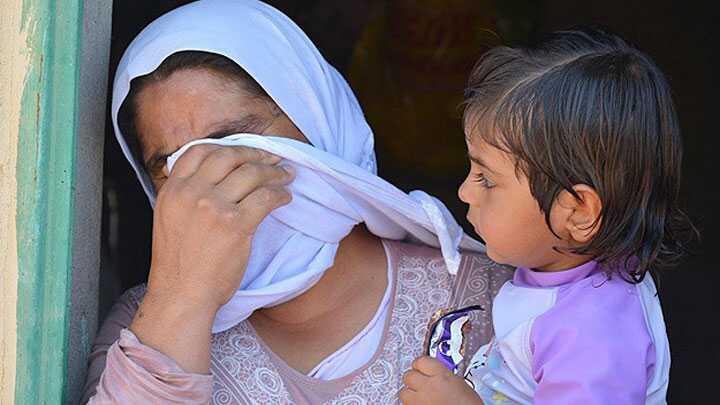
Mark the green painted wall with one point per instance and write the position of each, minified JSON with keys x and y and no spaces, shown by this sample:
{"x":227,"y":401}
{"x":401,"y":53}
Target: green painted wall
{"x":45,"y":168}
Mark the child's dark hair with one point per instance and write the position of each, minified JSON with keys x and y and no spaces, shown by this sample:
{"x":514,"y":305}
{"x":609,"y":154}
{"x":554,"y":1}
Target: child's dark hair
{"x":584,"y":107}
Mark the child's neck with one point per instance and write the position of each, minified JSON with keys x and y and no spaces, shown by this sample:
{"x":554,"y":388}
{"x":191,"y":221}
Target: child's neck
{"x":563,"y":263}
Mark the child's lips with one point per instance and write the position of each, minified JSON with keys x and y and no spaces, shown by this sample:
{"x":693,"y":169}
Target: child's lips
{"x":475,"y":228}
{"x":470,"y":220}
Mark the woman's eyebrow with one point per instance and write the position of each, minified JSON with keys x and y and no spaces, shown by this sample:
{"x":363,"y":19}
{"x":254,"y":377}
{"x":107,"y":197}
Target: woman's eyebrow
{"x":248,"y":123}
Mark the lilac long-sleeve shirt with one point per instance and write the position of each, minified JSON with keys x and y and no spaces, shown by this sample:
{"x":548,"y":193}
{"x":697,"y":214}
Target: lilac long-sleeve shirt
{"x":574,"y":337}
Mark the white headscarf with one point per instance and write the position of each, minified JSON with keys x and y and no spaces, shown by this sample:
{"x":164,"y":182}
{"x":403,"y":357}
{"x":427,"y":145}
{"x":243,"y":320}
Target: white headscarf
{"x":336,"y":186}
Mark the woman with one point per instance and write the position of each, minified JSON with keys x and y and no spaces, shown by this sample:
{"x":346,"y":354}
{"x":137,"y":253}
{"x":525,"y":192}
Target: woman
{"x":251,"y":300}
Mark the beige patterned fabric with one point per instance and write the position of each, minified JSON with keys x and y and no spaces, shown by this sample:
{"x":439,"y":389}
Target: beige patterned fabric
{"x":422,"y":287}
{"x":246,"y":371}
{"x":478,"y":281}
{"x":242,"y":370}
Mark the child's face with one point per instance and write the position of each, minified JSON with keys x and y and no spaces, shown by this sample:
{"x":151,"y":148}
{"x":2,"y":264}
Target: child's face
{"x":504,"y":213}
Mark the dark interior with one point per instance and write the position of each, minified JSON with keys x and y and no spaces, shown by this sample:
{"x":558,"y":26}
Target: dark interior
{"x":407,"y":62}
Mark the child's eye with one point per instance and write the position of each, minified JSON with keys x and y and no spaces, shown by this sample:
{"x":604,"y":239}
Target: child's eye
{"x":483,"y":181}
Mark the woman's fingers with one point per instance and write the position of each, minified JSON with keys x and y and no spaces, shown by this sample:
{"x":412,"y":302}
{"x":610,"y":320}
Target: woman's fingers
{"x":221,"y":162}
{"x":212,"y":163}
{"x":258,"y":204}
{"x":189,"y":162}
{"x":245,"y":179}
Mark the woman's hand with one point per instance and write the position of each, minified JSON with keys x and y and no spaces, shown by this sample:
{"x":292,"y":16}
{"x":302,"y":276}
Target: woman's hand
{"x":205,"y":217}
{"x":206,"y":214}
{"x":430,"y":383}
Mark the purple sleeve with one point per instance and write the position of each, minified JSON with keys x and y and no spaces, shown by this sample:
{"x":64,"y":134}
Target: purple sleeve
{"x":592,"y":347}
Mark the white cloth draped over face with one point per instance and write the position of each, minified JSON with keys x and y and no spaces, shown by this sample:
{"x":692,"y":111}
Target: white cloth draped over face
{"x":336,"y":185}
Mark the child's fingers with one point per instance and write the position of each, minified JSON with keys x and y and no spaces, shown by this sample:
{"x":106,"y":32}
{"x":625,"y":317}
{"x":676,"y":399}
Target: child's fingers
{"x":408,"y":396}
{"x":429,"y":366}
{"x":414,"y":379}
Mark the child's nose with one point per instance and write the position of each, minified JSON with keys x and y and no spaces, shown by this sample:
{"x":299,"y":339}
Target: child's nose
{"x":461,"y":192}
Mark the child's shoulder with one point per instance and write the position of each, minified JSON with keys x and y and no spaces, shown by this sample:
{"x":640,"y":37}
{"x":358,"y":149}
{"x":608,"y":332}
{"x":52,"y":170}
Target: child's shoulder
{"x":601,"y":331}
{"x":601,"y":310}
{"x":469,"y":260}
{"x":601,"y":295}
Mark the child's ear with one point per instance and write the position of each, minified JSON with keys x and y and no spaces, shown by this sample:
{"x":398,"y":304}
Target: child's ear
{"x":583,"y":215}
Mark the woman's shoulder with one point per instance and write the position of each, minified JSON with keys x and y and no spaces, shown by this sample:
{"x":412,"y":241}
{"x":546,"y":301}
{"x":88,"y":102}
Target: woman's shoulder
{"x":400,"y":249}
{"x":420,"y":250}
{"x":471,"y":261}
{"x":476,"y":261}
{"x":128,"y":302}
{"x":120,"y":315}
{"x":133,"y":296}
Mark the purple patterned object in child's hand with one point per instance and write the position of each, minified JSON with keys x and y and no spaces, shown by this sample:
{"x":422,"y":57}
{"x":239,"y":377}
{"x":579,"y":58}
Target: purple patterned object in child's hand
{"x":446,"y":336}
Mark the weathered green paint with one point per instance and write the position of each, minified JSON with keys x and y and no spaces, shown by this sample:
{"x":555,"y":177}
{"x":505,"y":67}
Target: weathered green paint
{"x":45,"y":168}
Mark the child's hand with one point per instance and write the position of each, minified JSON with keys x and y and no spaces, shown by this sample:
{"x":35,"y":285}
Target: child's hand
{"x":429,"y":382}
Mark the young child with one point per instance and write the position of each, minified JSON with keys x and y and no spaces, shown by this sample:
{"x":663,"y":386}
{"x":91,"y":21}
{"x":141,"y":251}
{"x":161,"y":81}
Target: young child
{"x":575,"y":159}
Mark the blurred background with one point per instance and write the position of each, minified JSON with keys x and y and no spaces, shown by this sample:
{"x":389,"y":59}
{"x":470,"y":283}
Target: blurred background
{"x":407,"y":61}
